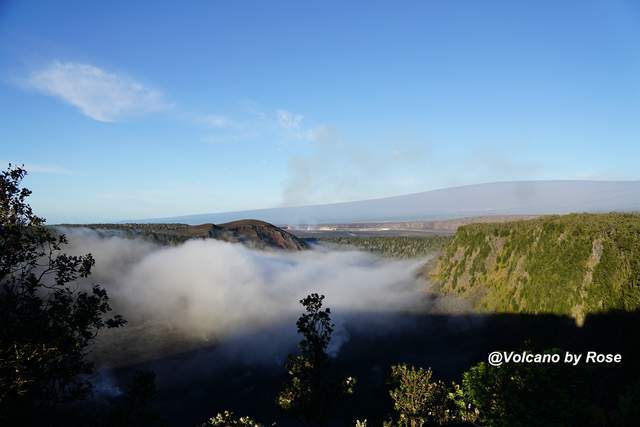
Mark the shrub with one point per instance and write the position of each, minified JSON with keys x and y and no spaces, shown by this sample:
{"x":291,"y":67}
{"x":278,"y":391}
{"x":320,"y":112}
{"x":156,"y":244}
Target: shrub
{"x":420,"y":400}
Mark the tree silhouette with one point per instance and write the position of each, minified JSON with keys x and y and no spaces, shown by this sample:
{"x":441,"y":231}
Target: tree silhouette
{"x":314,"y":388}
{"x":47,"y":319}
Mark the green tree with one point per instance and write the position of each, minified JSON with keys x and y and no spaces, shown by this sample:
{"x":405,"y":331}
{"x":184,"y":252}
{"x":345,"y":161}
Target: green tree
{"x":520,"y":394}
{"x":420,"y":400}
{"x":413,"y":394}
{"x":47,"y":320}
{"x":313,"y":389}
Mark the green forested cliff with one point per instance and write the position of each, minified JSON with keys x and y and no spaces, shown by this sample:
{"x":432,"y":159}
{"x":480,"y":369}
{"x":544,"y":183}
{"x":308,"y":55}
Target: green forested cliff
{"x":572,"y":264}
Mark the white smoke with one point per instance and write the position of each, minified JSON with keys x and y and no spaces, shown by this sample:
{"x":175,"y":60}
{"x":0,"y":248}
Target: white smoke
{"x":207,"y":286}
{"x":206,"y":291}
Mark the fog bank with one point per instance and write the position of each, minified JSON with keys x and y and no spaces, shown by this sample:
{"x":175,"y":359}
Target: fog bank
{"x":209,"y":291}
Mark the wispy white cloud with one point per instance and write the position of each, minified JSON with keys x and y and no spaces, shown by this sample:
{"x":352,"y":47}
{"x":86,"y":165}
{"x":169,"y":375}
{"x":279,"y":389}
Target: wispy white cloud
{"x":40,"y":168}
{"x":110,"y":97}
{"x":98,"y":94}
{"x":215,"y":121}
{"x":314,"y":134}
{"x":228,"y":138}
{"x":293,"y":124}
{"x":288,"y":120}
{"x":256,"y":123}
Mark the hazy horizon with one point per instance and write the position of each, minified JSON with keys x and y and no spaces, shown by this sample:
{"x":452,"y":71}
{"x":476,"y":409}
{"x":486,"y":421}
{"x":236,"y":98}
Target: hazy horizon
{"x":498,"y":198}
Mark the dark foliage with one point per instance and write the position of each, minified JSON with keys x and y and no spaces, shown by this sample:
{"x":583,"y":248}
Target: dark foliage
{"x":314,"y":389}
{"x":522,"y":394}
{"x":134,"y":408}
{"x":47,"y":320}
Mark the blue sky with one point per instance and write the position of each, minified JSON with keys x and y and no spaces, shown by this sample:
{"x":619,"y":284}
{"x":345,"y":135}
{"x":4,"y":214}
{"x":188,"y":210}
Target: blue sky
{"x":125,"y":110}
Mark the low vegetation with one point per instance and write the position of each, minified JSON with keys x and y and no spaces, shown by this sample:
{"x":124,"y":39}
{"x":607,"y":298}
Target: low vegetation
{"x":420,"y":400}
{"x":522,"y":394}
{"x":396,"y":246}
{"x":162,"y":234}
{"x":252,"y":233}
{"x":229,"y":419}
{"x":571,"y":265}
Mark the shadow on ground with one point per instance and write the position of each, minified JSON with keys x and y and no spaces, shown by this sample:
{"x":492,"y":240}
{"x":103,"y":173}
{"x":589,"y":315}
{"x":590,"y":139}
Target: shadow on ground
{"x":194,"y":385}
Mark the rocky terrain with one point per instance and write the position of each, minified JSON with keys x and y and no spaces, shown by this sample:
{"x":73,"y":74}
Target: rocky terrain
{"x":257,"y":234}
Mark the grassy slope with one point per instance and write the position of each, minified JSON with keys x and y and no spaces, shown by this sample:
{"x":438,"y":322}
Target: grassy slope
{"x":572,"y":264}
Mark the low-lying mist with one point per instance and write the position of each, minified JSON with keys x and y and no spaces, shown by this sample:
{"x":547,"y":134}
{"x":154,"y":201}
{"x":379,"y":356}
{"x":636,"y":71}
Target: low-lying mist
{"x":208,"y":292}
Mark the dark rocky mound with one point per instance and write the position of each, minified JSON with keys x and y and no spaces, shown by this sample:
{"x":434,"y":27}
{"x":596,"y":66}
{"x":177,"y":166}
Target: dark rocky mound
{"x":257,"y":234}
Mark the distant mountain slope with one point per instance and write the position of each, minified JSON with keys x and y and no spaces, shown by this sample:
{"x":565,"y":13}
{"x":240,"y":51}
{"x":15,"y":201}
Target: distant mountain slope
{"x":571,"y":264}
{"x":503,"y":198}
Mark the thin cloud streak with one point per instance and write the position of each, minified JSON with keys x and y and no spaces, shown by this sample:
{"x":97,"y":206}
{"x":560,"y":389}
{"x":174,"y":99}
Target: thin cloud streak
{"x":98,"y":94}
{"x":256,"y":123}
{"x":109,"y":97}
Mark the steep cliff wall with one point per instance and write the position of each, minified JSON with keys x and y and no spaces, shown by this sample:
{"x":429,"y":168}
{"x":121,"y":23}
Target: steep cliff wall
{"x":571,"y":264}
